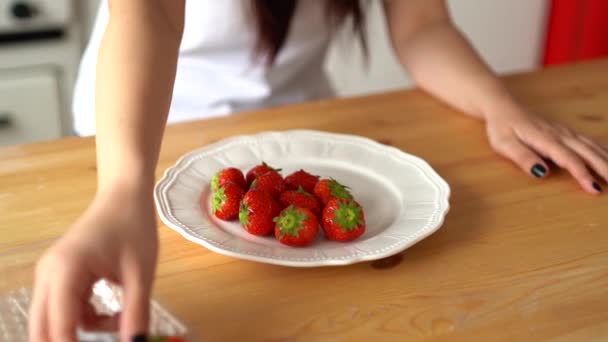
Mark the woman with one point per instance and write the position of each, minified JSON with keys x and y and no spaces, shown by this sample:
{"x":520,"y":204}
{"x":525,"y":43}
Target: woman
{"x":236,"y":55}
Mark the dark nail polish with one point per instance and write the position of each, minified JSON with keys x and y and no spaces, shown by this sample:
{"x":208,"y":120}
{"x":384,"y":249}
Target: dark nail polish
{"x":539,"y":171}
{"x":597,"y":187}
{"x":139,"y":338}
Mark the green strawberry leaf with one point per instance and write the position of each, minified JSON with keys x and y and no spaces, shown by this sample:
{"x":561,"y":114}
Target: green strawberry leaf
{"x":218,"y":199}
{"x":243,"y":214}
{"x":215,"y":180}
{"x":348,"y":215}
{"x":338,"y":190}
{"x":270,"y":167}
{"x":290,"y":221}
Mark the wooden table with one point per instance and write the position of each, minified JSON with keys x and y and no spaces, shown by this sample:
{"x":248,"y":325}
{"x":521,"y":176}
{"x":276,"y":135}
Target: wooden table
{"x":517,"y":258}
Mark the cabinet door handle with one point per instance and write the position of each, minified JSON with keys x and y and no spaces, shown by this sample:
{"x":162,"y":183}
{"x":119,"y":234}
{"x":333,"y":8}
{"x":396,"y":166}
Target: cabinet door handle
{"x":5,"y":120}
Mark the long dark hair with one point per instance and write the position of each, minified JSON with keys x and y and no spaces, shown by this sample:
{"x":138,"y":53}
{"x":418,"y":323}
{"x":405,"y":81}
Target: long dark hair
{"x":273,"y":18}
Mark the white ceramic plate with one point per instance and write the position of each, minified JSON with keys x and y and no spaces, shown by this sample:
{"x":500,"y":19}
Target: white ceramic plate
{"x":403,"y":198}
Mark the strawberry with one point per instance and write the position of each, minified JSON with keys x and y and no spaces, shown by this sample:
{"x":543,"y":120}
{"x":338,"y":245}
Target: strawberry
{"x":300,"y":199}
{"x":257,"y":211}
{"x":166,"y":339}
{"x":225,"y":201}
{"x":327,"y":189}
{"x":296,"y":226}
{"x":302,"y":179}
{"x":343,"y":220}
{"x":258,"y":171}
{"x":271,"y":182}
{"x":230,"y":174}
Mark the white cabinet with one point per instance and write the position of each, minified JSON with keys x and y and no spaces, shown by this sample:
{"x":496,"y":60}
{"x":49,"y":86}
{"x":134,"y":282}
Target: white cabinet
{"x":34,"y":15}
{"x":39,"y":54}
{"x":29,"y":106}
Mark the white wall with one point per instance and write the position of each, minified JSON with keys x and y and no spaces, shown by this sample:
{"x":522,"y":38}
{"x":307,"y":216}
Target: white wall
{"x":508,"y":34}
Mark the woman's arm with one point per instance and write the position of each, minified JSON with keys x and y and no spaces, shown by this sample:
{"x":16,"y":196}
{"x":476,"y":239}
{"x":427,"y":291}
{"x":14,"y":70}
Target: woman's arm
{"x":440,"y":59}
{"x":442,"y":62}
{"x":135,"y":75}
{"x":116,"y":238}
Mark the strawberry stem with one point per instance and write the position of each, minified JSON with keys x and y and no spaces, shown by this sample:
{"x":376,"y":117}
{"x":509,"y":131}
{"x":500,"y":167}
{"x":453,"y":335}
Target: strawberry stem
{"x":348,"y":215}
{"x":290,"y":221}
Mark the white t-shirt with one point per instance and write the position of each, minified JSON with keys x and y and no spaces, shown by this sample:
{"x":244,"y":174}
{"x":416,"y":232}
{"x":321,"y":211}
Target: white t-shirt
{"x":216,"y":74}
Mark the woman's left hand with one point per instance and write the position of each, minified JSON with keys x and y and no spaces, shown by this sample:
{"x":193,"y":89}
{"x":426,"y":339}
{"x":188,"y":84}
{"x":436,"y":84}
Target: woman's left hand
{"x":527,"y":140}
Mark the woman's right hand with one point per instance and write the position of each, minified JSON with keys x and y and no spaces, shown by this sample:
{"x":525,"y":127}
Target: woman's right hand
{"x":116,"y":239}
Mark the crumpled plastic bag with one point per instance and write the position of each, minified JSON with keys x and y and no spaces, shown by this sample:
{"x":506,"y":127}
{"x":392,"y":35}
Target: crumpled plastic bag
{"x":106,"y":299}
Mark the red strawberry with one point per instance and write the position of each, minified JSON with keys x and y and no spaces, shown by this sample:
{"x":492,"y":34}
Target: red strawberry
{"x":300,"y":199}
{"x":302,"y":179}
{"x":271,"y":182}
{"x":296,"y":226}
{"x":230,"y":174}
{"x":257,"y":211}
{"x":258,"y":171}
{"x":343,"y":220}
{"x":225,"y":201}
{"x":327,"y":189}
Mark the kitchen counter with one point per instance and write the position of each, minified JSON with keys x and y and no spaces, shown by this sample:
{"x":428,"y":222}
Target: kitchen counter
{"x":517,"y":258}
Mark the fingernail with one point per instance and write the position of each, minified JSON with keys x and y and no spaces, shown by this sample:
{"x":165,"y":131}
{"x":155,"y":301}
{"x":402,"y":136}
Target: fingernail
{"x":597,"y":187}
{"x":539,"y":171}
{"x":139,"y":338}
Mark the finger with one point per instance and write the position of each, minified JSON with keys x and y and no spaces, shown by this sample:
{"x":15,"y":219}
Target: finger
{"x":38,"y":326}
{"x":65,"y":299}
{"x":593,"y":159}
{"x":566,"y":158}
{"x":135,"y":315}
{"x":601,"y":150}
{"x":524,"y":157}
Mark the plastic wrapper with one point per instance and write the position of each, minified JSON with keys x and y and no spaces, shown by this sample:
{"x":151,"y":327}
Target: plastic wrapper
{"x":106,"y":299}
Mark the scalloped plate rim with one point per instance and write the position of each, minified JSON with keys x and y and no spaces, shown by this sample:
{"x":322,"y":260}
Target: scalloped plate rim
{"x":171,"y":173}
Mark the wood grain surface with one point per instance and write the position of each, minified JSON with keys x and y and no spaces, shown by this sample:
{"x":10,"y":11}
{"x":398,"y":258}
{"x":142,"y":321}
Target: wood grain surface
{"x":517,"y":258}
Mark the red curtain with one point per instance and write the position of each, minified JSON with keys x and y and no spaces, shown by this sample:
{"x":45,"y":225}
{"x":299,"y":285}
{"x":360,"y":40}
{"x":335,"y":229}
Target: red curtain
{"x":578,"y":30}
